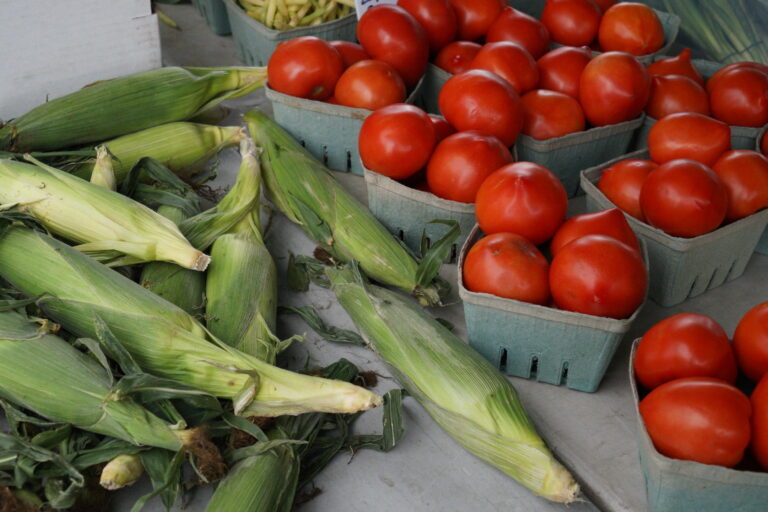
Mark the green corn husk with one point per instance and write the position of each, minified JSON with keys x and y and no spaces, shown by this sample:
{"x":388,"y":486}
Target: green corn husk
{"x":111,"y":108}
{"x":122,"y":471}
{"x":103,"y":173}
{"x":107,"y":224}
{"x":182,"y":147}
{"x":306,"y":192}
{"x":462,"y":392}
{"x":77,"y":291}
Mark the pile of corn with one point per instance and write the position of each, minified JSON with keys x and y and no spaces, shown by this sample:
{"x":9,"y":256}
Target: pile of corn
{"x":288,"y":14}
{"x":99,"y":370}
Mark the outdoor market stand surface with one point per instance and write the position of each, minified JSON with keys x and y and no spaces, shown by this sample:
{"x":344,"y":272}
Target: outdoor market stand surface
{"x":593,"y":434}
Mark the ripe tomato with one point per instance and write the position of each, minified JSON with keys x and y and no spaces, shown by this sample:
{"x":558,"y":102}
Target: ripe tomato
{"x":550,"y":114}
{"x":688,"y":135}
{"x":560,"y":70}
{"x":455,"y":57}
{"x":676,"y":93}
{"x":523,"y":198}
{"x":396,"y":140}
{"x":614,"y":87}
{"x":481,"y":100}
{"x":631,"y":27}
{"x":461,"y":162}
{"x":511,"y":62}
{"x":698,"y":418}
{"x":680,"y":65}
{"x":610,"y":223}
{"x":684,"y":345}
{"x":389,"y":33}
{"x":751,"y":342}
{"x":759,"y":401}
{"x":744,"y":174}
{"x":370,"y":84}
{"x":475,"y":17}
{"x":507,"y":265}
{"x":622,"y":182}
{"x":350,"y":52}
{"x":598,"y":275}
{"x":740,"y":97}
{"x":442,"y":127}
{"x":715,"y":79}
{"x":571,"y":22}
{"x":305,"y":67}
{"x":517,"y":27}
{"x":437,"y":17}
{"x":684,"y":198}
{"x":604,"y":4}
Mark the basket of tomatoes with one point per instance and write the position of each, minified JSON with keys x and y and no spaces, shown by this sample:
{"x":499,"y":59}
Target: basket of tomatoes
{"x":734,"y":94}
{"x":702,"y":407}
{"x":762,"y":147}
{"x":699,"y":206}
{"x":215,"y":14}
{"x":558,"y":319}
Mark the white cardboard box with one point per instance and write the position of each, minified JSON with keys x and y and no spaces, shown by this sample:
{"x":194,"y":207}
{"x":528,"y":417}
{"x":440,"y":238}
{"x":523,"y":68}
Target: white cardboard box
{"x":53,"y":47}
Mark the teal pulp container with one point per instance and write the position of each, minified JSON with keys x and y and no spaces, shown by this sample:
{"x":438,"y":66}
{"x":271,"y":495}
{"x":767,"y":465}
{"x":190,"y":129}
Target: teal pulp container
{"x":685,"y":267}
{"x":215,"y":14}
{"x":530,"y":341}
{"x":762,"y":245}
{"x":434,"y":79}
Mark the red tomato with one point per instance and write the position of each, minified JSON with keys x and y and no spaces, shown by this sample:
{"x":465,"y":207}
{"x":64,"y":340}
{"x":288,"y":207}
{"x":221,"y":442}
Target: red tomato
{"x":370,"y":84}
{"x":700,"y":419}
{"x":631,"y":27}
{"x":523,"y":198}
{"x":610,"y":223}
{"x":744,"y":174}
{"x":740,"y":97}
{"x":507,"y":265}
{"x":759,"y":401}
{"x":476,"y":16}
{"x":350,"y":52}
{"x":688,"y":135}
{"x":604,"y":4}
{"x":751,"y":342}
{"x":614,"y":87}
{"x":455,"y":57}
{"x":481,"y":100}
{"x":622,"y":182}
{"x":517,"y":27}
{"x":511,"y":62}
{"x":680,"y":65}
{"x":676,"y":93}
{"x":396,"y":140}
{"x":715,"y":79}
{"x":598,"y":275}
{"x":389,"y":33}
{"x":305,"y":67}
{"x":550,"y":114}
{"x":571,"y":22}
{"x":560,"y":70}
{"x":442,"y":127}
{"x":684,"y":198}
{"x":461,"y":162}
{"x":684,"y":345}
{"x":437,"y":17}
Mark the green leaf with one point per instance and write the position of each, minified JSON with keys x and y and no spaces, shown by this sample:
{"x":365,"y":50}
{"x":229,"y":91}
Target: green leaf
{"x":393,"y":425}
{"x":257,"y":449}
{"x":433,"y":259}
{"x":297,"y":275}
{"x":327,"y":332}
{"x":164,"y":470}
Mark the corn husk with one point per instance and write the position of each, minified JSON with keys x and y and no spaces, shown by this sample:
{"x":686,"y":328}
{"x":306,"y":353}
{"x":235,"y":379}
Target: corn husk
{"x":127,"y":104}
{"x":77,"y":292}
{"x":462,"y":392}
{"x":306,"y":192}
{"x":108,"y":225}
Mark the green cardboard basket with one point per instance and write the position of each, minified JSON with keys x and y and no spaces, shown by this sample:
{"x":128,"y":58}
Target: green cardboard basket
{"x":762,"y":245}
{"x":530,"y":341}
{"x":255,"y":42}
{"x":215,"y":14}
{"x":434,"y":79}
{"x":685,"y":267}
{"x":673,"y":485}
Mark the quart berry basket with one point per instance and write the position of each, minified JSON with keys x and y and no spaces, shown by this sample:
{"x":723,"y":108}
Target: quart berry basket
{"x":684,"y":267}
{"x":762,"y":245}
{"x":538,"y":342}
{"x":215,"y":14}
{"x":679,"y":485}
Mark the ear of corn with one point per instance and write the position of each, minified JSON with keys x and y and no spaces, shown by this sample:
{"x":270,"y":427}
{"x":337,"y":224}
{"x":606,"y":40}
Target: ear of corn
{"x":462,"y":392}
{"x":106,"y":223}
{"x":127,"y":104}
{"x":182,"y":147}
{"x":163,"y":339}
{"x":305,"y":191}
{"x":122,"y":471}
{"x":103,"y":173}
